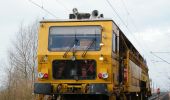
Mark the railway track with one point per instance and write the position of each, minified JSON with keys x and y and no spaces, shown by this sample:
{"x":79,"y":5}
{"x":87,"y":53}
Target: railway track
{"x":161,"y":96}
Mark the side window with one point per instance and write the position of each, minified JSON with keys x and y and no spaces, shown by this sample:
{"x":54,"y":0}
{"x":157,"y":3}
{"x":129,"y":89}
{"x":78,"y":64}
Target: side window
{"x":114,"y":42}
{"x":117,"y":43}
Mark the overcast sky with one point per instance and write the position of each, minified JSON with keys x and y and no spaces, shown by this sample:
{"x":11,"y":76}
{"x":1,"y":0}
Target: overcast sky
{"x":148,"y":23}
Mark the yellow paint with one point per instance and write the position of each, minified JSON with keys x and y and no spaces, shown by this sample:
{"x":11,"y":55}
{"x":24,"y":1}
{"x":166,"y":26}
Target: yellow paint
{"x":105,"y":50}
{"x":110,"y":64}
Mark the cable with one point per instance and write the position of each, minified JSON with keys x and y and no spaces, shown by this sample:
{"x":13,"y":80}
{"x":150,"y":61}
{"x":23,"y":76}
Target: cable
{"x":160,"y":58}
{"x":160,"y":52}
{"x":147,"y":52}
{"x":126,"y":10}
{"x":43,"y":8}
{"x":42,"y":3}
{"x":62,"y":5}
{"x":132,"y":21}
{"x":125,"y":7}
{"x":122,"y":20}
{"x":116,"y":12}
{"x":128,"y":14}
{"x":124,"y":23}
{"x":156,"y":61}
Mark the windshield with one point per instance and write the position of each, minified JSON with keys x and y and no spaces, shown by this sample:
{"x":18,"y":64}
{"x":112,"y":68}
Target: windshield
{"x":61,"y":37}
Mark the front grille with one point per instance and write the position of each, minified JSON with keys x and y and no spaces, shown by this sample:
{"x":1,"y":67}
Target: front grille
{"x":77,"y":70}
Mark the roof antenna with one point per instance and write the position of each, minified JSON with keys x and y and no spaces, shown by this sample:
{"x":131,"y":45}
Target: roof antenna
{"x":75,"y":12}
{"x":95,"y":13}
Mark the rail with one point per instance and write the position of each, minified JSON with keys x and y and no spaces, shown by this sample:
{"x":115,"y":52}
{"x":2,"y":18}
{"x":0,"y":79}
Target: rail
{"x":156,"y":96}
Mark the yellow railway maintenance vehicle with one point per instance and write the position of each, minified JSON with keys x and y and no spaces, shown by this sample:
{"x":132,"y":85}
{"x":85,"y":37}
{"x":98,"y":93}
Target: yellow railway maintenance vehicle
{"x":88,"y":57}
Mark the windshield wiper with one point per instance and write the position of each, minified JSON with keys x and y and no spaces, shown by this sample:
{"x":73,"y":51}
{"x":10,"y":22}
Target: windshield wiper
{"x":71,"y":46}
{"x":89,"y":46}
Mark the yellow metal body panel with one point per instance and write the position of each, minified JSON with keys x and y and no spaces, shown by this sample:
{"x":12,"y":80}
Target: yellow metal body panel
{"x":102,"y":66}
{"x":110,"y":64}
{"x":133,"y":82}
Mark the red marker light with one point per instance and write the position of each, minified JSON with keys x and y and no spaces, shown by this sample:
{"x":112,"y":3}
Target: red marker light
{"x":100,"y":75}
{"x":45,"y":75}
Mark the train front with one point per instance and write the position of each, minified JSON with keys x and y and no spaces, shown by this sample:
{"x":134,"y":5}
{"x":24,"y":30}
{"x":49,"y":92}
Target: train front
{"x":74,"y":58}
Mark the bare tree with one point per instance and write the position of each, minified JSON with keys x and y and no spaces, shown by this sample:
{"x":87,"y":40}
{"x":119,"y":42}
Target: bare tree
{"x":25,"y":50}
{"x":22,"y":62}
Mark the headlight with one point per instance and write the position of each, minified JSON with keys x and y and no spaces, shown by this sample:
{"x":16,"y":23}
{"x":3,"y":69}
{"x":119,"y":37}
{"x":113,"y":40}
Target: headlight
{"x":40,"y":75}
{"x":103,"y":75}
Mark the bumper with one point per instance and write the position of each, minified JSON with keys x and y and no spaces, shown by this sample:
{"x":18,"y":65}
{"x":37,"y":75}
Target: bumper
{"x":47,"y":88}
{"x":42,"y":88}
